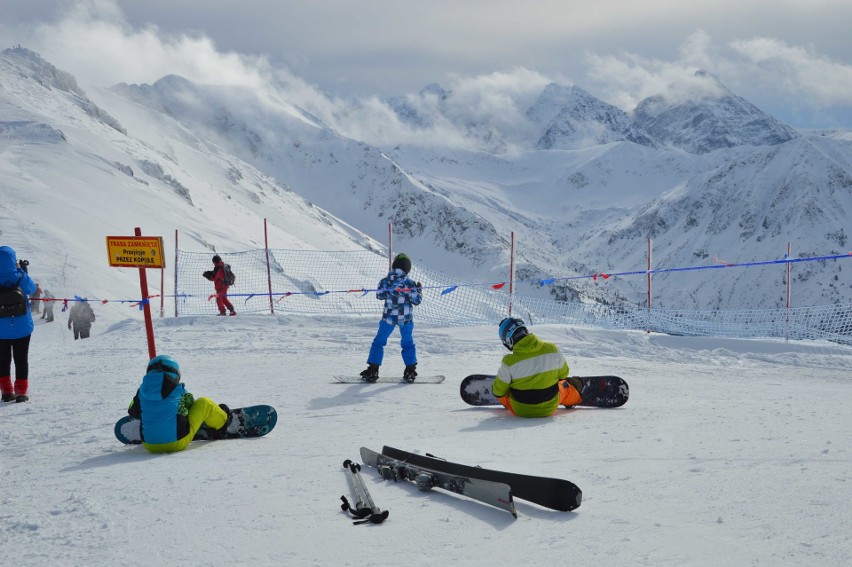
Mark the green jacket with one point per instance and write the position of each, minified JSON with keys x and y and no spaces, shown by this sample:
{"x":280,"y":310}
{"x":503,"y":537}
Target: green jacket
{"x":529,"y":372}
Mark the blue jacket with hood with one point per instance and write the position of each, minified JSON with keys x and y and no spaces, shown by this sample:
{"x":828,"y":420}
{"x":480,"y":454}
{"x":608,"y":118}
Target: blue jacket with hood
{"x":22,"y":325}
{"x":158,"y":404}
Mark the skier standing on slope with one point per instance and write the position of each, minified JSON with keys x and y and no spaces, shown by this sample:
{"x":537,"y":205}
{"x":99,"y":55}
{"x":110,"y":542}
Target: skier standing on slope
{"x":533,"y":379}
{"x":400,"y":294}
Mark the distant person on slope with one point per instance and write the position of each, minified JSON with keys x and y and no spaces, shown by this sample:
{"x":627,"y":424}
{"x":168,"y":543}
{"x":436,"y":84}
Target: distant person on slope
{"x":16,"y":326}
{"x":170,"y":415}
{"x":533,"y":379}
{"x":47,"y":312}
{"x":36,"y":299}
{"x":217,"y":276}
{"x":400,"y":294}
{"x":81,"y":316}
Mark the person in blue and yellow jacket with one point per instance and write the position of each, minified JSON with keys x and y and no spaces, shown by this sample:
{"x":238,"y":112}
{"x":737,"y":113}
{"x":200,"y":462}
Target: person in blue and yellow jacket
{"x":533,"y":379}
{"x":170,"y":415}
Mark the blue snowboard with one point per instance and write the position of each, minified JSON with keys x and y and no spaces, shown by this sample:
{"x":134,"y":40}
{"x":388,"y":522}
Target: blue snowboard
{"x":252,"y":421}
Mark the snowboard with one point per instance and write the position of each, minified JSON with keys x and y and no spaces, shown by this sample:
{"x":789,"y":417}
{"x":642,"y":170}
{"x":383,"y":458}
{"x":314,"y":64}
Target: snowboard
{"x":356,"y":379}
{"x":597,"y":391}
{"x":251,"y":421}
{"x":497,"y":494}
{"x":554,"y":493}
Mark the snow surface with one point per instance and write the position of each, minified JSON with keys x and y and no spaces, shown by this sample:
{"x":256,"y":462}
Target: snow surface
{"x":729,"y":452}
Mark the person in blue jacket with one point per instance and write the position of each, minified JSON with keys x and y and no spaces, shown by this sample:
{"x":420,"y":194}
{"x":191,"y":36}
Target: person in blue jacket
{"x":170,"y":415}
{"x":400,"y":294}
{"x":16,"y":326}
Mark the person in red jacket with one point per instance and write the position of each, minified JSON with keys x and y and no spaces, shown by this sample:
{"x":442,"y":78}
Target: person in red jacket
{"x":217,"y":276}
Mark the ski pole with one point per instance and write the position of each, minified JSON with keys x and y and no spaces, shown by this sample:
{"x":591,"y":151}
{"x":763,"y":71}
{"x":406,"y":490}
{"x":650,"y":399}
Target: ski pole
{"x":365,"y":509}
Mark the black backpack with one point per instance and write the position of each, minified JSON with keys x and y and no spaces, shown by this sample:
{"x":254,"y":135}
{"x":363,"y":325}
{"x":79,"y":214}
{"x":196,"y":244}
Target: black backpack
{"x":13,"y":302}
{"x":229,"y":278}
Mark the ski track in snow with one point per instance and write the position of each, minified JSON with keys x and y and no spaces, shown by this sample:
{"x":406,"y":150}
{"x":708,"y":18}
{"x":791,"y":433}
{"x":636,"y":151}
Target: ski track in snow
{"x":728,"y":453}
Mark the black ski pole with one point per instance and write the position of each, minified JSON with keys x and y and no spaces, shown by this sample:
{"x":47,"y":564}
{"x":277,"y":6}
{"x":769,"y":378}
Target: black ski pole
{"x":365,"y":509}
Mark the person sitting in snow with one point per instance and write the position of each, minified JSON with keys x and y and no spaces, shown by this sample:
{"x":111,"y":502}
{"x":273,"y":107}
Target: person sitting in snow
{"x":170,"y":415}
{"x":400,"y":294}
{"x":533,"y":379}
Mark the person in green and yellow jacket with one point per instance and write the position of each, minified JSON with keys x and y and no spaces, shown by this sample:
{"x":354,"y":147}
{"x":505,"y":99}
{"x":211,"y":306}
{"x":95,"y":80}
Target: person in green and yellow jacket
{"x":533,"y":379}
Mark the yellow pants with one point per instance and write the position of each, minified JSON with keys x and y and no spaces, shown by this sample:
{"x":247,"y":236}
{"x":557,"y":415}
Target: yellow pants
{"x":568,"y":396}
{"x":203,"y":412}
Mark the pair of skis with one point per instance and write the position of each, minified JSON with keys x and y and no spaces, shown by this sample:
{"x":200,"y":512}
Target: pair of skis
{"x":492,"y":487}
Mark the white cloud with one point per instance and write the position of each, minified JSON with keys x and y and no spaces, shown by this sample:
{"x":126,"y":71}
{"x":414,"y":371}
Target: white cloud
{"x":765,"y":71}
{"x":798,"y":70}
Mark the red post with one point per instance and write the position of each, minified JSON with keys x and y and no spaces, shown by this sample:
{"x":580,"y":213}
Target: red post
{"x":176,"y":273}
{"x":787,"y":318}
{"x":146,"y":307}
{"x":162,"y":291}
{"x":649,"y":287}
{"x":511,"y":273}
{"x":390,"y":245}
{"x":268,"y":271}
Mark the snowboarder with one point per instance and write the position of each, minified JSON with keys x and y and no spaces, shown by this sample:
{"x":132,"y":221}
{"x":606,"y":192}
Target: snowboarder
{"x":170,"y":415}
{"x":81,"y":316}
{"x":15,"y":329}
{"x":47,"y":312}
{"x":217,"y":276}
{"x":400,"y":294}
{"x":533,"y":379}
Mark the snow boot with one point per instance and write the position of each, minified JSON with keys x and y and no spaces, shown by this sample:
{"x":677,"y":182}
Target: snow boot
{"x":21,"y":387}
{"x":410,"y":373}
{"x":6,"y":388}
{"x":371,"y":374}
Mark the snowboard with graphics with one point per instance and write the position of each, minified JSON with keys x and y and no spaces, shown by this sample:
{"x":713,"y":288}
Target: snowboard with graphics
{"x":252,"y":421}
{"x":597,"y":391}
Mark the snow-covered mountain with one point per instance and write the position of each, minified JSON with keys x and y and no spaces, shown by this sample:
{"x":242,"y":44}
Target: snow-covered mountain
{"x":572,"y":118}
{"x":581,"y":183}
{"x":705,"y":116}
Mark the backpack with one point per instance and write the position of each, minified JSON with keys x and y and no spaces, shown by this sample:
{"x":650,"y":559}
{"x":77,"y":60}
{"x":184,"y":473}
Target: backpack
{"x":13,"y":302}
{"x":229,"y":278}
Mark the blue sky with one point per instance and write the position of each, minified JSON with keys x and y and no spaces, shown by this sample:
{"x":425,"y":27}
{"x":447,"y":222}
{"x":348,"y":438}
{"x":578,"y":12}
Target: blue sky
{"x":791,"y":58}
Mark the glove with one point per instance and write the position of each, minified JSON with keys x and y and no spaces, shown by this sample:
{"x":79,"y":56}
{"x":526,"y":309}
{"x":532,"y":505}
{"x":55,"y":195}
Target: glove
{"x":186,"y":401}
{"x":208,"y":274}
{"x":419,"y":287}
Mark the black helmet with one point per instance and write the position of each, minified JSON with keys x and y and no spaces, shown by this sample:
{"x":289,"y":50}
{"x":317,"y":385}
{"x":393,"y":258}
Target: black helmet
{"x":217,"y":259}
{"x":512,"y":330}
{"x":402,"y":262}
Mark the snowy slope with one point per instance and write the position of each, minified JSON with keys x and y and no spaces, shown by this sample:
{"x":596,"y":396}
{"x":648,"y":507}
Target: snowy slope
{"x":728,"y":453}
{"x":582,"y":184}
{"x":68,"y":179}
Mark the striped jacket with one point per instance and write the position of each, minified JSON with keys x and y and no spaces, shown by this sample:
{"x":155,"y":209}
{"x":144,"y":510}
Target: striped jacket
{"x":530,"y":375}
